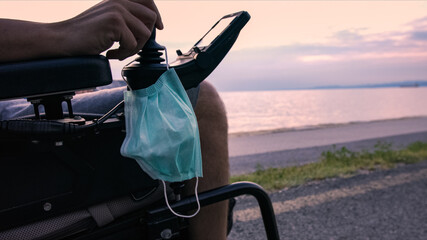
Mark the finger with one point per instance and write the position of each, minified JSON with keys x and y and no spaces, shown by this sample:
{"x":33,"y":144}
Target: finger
{"x":128,"y":45}
{"x":140,"y":31}
{"x":151,"y":5}
{"x":140,"y":13}
{"x":140,"y":27}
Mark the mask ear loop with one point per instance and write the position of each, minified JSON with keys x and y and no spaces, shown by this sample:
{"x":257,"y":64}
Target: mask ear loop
{"x":197,"y":178}
{"x":166,"y":56}
{"x":197,"y":199}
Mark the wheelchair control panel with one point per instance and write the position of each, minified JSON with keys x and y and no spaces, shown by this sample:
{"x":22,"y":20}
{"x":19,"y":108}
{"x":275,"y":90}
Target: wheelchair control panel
{"x":193,"y":66}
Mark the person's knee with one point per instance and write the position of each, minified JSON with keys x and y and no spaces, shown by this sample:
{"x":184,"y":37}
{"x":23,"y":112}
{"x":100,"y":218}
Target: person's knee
{"x":213,"y":129}
{"x":210,"y":108}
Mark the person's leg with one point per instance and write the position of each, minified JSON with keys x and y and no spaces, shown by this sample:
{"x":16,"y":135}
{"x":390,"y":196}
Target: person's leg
{"x":211,"y":222}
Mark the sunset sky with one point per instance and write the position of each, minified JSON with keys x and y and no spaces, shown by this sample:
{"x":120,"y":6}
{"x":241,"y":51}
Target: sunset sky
{"x":286,"y":44}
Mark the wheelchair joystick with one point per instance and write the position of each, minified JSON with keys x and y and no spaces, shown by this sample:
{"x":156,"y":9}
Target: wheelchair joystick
{"x":150,"y":53}
{"x":148,"y":67}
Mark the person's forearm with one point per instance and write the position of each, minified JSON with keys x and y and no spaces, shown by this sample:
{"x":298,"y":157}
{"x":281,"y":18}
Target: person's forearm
{"x":22,"y":40}
{"x":127,"y":22}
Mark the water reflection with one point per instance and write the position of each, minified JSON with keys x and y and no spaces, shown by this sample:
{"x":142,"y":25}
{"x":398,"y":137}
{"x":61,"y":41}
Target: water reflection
{"x":268,"y":110}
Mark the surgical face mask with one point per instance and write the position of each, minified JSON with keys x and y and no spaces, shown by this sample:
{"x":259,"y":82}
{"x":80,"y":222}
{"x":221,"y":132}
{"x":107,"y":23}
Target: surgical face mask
{"x":162,"y":134}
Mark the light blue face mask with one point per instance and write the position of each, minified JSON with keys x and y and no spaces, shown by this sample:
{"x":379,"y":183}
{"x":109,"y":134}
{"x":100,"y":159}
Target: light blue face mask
{"x":162,"y":134}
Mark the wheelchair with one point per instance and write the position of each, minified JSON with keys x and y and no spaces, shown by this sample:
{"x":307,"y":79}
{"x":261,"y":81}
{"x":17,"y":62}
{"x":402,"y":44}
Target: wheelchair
{"x":62,"y":175}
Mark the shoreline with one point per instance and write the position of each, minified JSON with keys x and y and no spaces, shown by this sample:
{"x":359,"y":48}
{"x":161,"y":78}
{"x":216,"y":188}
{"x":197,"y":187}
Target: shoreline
{"x":302,"y":146}
{"x":315,"y":127}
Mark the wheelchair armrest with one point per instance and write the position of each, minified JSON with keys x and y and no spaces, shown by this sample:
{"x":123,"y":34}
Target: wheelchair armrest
{"x":52,"y":76}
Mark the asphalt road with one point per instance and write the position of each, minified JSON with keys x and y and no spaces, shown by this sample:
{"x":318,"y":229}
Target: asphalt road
{"x":388,"y":205}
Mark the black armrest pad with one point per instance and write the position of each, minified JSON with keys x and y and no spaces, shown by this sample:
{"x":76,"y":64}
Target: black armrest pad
{"x":43,"y":77}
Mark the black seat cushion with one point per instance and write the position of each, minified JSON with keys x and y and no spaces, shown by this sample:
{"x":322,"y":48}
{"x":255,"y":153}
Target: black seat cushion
{"x":49,"y":76}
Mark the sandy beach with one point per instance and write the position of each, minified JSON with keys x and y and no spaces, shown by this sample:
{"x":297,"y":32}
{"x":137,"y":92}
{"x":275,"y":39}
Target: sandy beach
{"x":280,"y":148}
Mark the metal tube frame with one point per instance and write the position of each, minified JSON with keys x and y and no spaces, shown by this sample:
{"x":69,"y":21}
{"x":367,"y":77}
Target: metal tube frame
{"x":224,"y":193}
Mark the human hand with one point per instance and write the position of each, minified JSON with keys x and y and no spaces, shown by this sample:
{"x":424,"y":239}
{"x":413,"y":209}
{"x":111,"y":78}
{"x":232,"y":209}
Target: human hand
{"x":128,"y":22}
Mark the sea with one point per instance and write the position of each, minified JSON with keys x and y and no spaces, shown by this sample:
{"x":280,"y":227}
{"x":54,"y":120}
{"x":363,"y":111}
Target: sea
{"x":255,"y":111}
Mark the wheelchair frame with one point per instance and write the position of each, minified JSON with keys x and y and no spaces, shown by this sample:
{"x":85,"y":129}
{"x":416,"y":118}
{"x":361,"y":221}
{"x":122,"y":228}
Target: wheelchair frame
{"x":157,"y":222}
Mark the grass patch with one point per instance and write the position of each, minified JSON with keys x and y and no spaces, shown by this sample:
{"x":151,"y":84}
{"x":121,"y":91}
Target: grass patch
{"x":335,"y":163}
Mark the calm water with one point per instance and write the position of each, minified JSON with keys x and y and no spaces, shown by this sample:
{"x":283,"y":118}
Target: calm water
{"x":269,"y":110}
